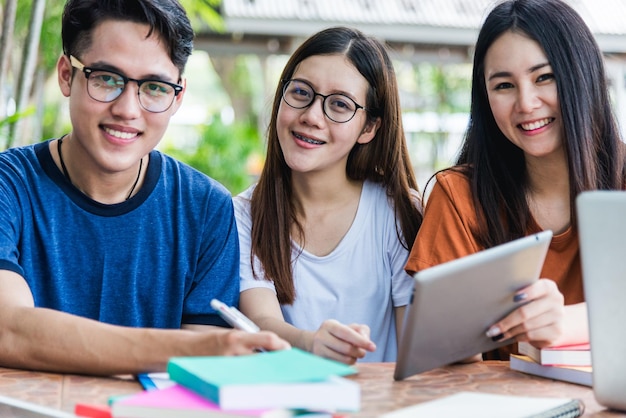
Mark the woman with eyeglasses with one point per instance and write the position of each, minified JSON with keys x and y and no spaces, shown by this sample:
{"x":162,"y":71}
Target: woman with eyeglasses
{"x":325,"y":232}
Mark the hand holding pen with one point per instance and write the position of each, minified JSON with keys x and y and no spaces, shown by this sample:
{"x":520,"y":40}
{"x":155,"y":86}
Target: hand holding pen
{"x":234,"y":317}
{"x":239,"y":321}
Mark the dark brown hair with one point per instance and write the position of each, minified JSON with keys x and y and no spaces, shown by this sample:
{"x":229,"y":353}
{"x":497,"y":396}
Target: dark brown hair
{"x":384,"y":160}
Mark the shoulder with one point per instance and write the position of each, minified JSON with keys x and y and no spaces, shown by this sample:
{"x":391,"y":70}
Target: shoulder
{"x":242,"y":203}
{"x":452,"y":182}
{"x":187,"y":179}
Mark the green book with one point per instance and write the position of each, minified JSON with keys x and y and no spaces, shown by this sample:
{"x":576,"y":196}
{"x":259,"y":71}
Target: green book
{"x":278,"y":379}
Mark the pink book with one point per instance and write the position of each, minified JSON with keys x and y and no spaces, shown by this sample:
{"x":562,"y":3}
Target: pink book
{"x":181,"y":402}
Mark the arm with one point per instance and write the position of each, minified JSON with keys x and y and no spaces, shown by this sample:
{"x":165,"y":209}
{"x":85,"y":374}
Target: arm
{"x":399,"y":312}
{"x":45,"y":339}
{"x":345,"y":343}
{"x":543,"y":319}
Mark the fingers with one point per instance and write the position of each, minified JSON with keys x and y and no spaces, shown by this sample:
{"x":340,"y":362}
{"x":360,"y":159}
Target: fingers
{"x":344,"y":343}
{"x":538,"y":319}
{"x":235,"y":342}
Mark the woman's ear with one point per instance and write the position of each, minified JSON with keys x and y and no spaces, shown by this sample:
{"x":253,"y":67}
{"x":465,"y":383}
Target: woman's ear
{"x":369,"y":131}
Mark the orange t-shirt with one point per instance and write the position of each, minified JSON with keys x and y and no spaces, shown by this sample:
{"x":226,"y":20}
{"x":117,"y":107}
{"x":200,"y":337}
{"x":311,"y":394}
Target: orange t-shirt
{"x":446,"y":234}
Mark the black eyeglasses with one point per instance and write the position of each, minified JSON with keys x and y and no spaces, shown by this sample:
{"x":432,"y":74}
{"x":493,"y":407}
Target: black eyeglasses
{"x":104,"y":86}
{"x":337,"y":107}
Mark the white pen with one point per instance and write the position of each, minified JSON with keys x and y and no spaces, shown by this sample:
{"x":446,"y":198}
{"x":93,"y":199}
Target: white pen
{"x":234,"y":318}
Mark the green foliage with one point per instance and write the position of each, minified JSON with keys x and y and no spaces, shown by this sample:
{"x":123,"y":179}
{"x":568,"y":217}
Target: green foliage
{"x":223,"y":152}
{"x":203,"y":13}
{"x":50,"y":40}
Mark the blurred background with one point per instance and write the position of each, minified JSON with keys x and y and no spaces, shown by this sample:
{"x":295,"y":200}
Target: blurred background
{"x":241,"y":47}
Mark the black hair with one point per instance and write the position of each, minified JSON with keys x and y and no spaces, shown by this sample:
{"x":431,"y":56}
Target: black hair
{"x":165,"y":17}
{"x":593,"y":148}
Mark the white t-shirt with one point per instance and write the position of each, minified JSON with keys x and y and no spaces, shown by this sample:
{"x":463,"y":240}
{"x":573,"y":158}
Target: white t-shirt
{"x":360,"y":281}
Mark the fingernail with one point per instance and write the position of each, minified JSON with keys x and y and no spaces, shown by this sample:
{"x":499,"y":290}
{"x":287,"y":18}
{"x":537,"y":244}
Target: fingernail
{"x":493,"y":331}
{"x":497,"y":337}
{"x":520,"y":297}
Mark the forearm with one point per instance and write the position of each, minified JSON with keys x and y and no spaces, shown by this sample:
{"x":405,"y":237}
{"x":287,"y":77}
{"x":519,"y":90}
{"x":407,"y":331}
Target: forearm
{"x":43,"y":339}
{"x":296,"y":337}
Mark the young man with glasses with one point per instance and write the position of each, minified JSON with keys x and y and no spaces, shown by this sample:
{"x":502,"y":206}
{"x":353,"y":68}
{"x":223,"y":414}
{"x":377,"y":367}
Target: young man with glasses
{"x":108,"y":247}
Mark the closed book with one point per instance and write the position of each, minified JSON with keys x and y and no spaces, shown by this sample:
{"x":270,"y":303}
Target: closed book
{"x":155,"y":380}
{"x":177,"y":401}
{"x":489,"y":405}
{"x":573,"y":374}
{"x":292,"y":379}
{"x":567,"y":355}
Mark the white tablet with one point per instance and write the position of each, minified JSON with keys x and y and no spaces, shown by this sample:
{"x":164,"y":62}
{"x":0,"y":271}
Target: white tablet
{"x":454,"y":303}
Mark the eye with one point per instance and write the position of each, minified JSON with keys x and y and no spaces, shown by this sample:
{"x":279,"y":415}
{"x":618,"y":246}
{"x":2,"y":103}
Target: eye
{"x":503,"y":86}
{"x":156,"y":89}
{"x":545,"y":77}
{"x":106,"y":80}
{"x":299,"y":92}
{"x":340,"y":103}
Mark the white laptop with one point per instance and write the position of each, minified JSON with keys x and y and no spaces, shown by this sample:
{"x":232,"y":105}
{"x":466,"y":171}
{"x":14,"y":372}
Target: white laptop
{"x":602,"y":227}
{"x":454,"y":303}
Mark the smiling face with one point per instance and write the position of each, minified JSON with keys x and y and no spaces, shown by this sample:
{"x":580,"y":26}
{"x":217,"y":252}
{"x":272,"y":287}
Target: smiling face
{"x":311,"y":142}
{"x":522,"y":94}
{"x":112,"y":137}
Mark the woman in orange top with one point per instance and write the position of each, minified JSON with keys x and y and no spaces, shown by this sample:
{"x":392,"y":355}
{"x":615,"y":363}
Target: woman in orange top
{"x":541,"y":131}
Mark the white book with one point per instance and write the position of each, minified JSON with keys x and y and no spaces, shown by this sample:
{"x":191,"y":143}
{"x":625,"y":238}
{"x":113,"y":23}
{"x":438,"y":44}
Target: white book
{"x":580,"y":375}
{"x":489,"y":405}
{"x":567,"y":355}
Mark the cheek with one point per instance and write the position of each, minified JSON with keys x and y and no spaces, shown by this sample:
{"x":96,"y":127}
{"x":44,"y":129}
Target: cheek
{"x":499,"y":110}
{"x":284,"y":117}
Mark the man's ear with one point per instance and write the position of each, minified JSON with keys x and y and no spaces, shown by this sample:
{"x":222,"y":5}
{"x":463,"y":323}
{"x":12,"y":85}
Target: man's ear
{"x":369,"y":131}
{"x":179,"y":97}
{"x":64,"y":74}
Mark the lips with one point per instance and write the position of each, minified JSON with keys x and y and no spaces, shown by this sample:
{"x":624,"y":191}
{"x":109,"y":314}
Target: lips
{"x":121,"y":134}
{"x":308,"y":140}
{"x":531,"y":126}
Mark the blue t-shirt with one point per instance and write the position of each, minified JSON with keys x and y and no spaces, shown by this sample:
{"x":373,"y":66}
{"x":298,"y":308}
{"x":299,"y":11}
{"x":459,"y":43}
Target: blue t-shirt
{"x":155,"y":260}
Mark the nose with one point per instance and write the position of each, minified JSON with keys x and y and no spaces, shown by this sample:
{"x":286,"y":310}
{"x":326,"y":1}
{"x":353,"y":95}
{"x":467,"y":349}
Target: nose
{"x":527,"y":98}
{"x":314,"y":113}
{"x":127,"y":105}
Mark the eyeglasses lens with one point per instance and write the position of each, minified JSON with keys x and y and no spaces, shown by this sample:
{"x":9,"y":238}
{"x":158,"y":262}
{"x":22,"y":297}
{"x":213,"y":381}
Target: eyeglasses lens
{"x":154,"y":96}
{"x":337,"y":107}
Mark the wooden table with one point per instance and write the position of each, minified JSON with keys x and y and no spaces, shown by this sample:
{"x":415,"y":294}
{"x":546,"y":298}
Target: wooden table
{"x":380,"y":393}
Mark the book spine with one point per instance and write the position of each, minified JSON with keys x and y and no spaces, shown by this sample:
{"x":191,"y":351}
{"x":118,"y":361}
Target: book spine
{"x":184,"y":377}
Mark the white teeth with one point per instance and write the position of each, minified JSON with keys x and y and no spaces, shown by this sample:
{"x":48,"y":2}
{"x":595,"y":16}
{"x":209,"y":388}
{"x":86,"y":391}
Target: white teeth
{"x":120,"y":134}
{"x":309,"y":140}
{"x":535,"y":125}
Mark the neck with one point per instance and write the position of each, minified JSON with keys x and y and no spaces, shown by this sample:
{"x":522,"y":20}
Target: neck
{"x":111,"y":195}
{"x":548,"y":175}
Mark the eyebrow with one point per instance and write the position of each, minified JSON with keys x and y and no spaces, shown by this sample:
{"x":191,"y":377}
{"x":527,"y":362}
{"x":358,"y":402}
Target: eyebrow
{"x":502,"y":74}
{"x":100,"y":65}
{"x":340,"y":92}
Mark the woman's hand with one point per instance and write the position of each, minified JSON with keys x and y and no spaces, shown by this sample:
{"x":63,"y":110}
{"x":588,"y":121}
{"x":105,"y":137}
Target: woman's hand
{"x":344,"y":343}
{"x":539,"y":319}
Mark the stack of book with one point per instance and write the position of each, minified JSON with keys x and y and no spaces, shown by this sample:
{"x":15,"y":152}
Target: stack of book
{"x":567,"y":363}
{"x":274,"y":384}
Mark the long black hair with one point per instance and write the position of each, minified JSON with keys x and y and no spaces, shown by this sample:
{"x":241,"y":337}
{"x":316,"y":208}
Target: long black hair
{"x":591,"y":140}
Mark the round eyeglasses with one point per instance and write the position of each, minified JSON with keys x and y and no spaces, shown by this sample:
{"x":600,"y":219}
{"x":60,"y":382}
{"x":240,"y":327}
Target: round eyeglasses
{"x":337,"y":107}
{"x":104,"y":86}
